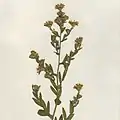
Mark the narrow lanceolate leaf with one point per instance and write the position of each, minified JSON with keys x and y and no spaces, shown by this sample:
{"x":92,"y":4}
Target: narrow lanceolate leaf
{"x":54,"y":84}
{"x":71,"y":107}
{"x":64,"y":73}
{"x":60,"y":77}
{"x":42,"y":102}
{"x":64,"y":113}
{"x":51,"y":68}
{"x":48,"y":107}
{"x":37,"y":101}
{"x":35,"y":94}
{"x":70,"y":117}
{"x":55,"y":32}
{"x":53,"y":38}
{"x":40,"y":96}
{"x":52,"y":44}
{"x":55,"y":118}
{"x":59,"y":93}
{"x":53,"y":90}
{"x":61,"y":117}
{"x":42,"y":113}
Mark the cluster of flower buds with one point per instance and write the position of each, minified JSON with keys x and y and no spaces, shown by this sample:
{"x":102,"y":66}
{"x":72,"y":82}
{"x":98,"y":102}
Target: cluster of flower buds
{"x":48,"y":24}
{"x":78,"y":43}
{"x":61,"y":18}
{"x":73,"y":23}
{"x":78,"y":86}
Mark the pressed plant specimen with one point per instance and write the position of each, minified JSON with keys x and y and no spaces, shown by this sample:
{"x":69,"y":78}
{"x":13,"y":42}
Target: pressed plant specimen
{"x":58,"y":37}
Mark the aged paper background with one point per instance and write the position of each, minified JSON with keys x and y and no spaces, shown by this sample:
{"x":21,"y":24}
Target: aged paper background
{"x":97,"y":66}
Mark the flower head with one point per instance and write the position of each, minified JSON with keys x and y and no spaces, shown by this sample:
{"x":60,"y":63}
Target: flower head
{"x":60,"y":13}
{"x":78,"y":86}
{"x":48,"y":24}
{"x":73,"y":23}
{"x":59,"y":6}
{"x":34,"y":55}
{"x":61,"y":20}
{"x":40,"y":67}
{"x":79,"y":40}
{"x":35,"y":88}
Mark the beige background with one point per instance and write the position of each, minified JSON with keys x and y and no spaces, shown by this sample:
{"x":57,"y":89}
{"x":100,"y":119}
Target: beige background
{"x":97,"y":66}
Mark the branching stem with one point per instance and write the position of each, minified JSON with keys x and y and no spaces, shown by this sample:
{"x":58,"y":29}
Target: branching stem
{"x":58,"y":72}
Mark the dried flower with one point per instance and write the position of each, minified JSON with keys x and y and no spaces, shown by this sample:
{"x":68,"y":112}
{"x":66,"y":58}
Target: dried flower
{"x":78,"y":43}
{"x":79,"y":40}
{"x":34,"y":55}
{"x":59,"y":6}
{"x":40,"y":67}
{"x":56,"y":78}
{"x":78,"y":86}
{"x":48,"y":24}
{"x":61,"y":20}
{"x":73,"y":23}
{"x":58,"y":21}
{"x":35,"y":87}
{"x":60,"y":13}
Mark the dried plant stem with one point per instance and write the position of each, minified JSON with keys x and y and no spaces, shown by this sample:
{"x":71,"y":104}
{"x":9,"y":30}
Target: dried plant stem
{"x":58,"y":73}
{"x":56,"y":78}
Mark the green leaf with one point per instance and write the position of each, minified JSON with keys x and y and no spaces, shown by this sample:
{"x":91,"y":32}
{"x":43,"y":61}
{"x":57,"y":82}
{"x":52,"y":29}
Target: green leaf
{"x":48,"y":107}
{"x":77,"y":102}
{"x":52,"y":44}
{"x":72,"y":58}
{"x":64,"y":73}
{"x":71,"y":53}
{"x":42,"y":102}
{"x":59,"y":93}
{"x":37,"y":101}
{"x":40,"y":96}
{"x":47,"y":75}
{"x":42,"y":112}
{"x":79,"y":96}
{"x":62,"y":29}
{"x":61,"y":117}
{"x":71,"y":107}
{"x":60,"y":79}
{"x":57,"y":53}
{"x":64,"y":37}
{"x":70,"y":117}
{"x":65,"y":58}
{"x":35,"y":94}
{"x":35,"y":89}
{"x":41,"y":62}
{"x":67,"y":31}
{"x":64,"y":113}
{"x":55,"y":118}
{"x":76,"y":46}
{"x":50,"y":68}
{"x":53,"y":38}
{"x":53,"y":90}
{"x":54,"y":84}
{"x":55,"y":32}
{"x":75,"y":52}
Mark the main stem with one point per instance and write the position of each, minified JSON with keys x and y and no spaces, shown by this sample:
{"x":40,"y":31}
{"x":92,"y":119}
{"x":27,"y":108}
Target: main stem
{"x":58,"y":73}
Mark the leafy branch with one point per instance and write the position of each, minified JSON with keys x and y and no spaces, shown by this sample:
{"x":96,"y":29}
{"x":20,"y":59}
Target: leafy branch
{"x":56,"y":78}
